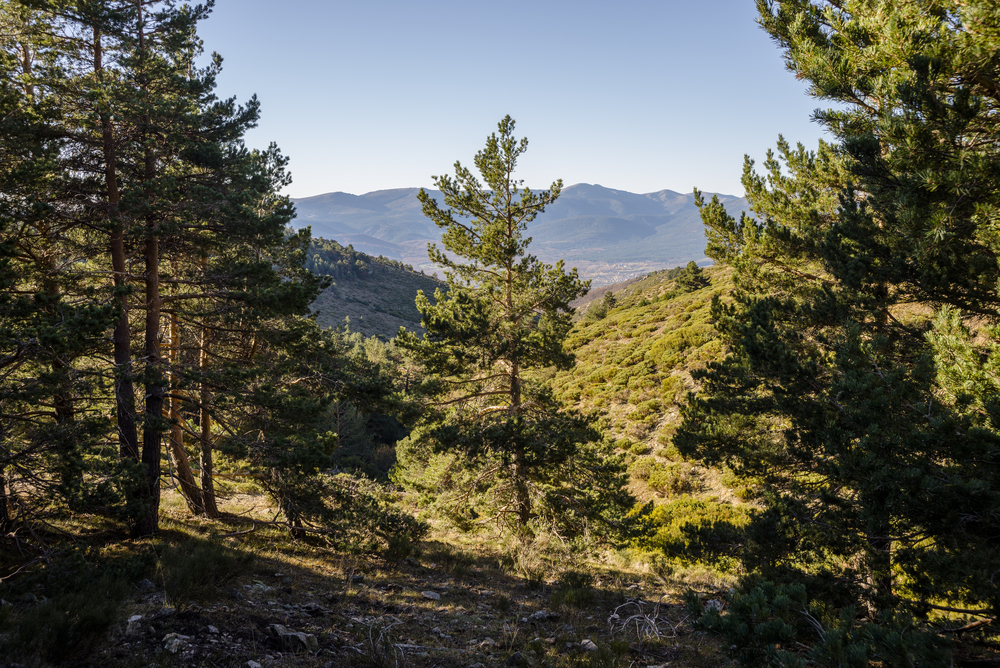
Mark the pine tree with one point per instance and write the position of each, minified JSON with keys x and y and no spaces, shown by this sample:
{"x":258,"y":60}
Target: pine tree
{"x":865,"y":422}
{"x":505,"y":315}
{"x":692,"y":278}
{"x":137,"y":158}
{"x":51,"y":315}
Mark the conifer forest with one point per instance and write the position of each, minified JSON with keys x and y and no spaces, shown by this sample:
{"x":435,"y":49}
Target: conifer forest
{"x":788,"y":457}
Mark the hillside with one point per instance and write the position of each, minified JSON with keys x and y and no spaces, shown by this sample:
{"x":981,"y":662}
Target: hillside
{"x":374,"y":294}
{"x":633,"y":370}
{"x":653,"y":278}
{"x":610,"y":235}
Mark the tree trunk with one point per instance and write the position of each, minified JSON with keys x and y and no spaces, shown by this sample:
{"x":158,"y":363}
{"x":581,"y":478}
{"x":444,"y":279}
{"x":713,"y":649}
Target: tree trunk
{"x":152,"y":431}
{"x":880,"y":574}
{"x":6,"y":505}
{"x":207,"y":481}
{"x":128,"y":437}
{"x":178,"y":456}
{"x":522,"y":498}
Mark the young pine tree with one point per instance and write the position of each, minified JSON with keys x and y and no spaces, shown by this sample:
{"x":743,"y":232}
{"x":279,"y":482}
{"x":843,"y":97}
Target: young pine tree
{"x":505,"y":315}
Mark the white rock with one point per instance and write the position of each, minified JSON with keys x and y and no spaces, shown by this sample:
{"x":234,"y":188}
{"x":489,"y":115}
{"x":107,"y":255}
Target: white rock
{"x":213,"y":630}
{"x":175,"y":642}
{"x":133,"y":625}
{"x":432,"y":595}
{"x":713,"y":604}
{"x":588,"y":645}
{"x":253,"y":664}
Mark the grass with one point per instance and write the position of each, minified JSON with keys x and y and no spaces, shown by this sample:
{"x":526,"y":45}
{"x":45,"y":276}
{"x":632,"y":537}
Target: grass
{"x":363,"y":610}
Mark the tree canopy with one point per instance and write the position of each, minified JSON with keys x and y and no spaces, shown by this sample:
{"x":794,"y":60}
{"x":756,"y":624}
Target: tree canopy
{"x":504,"y":316}
{"x":856,"y":398}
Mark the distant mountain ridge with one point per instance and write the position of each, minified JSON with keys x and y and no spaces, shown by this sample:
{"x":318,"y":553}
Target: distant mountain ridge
{"x":611,"y":235}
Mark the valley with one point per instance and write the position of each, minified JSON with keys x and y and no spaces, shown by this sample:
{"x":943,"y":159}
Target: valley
{"x":609,"y":235}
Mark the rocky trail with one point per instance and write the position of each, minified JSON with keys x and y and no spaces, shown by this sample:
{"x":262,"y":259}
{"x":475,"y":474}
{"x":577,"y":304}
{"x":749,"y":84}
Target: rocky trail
{"x":358,"y":611}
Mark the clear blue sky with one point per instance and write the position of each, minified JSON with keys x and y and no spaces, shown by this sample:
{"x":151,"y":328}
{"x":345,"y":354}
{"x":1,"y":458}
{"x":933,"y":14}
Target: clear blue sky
{"x":639,"y":96}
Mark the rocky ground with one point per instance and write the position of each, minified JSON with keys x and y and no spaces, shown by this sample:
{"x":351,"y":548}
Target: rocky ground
{"x":437,"y":610}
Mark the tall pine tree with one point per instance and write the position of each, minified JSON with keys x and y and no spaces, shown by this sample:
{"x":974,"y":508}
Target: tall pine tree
{"x":504,"y":316}
{"x":857,"y":398}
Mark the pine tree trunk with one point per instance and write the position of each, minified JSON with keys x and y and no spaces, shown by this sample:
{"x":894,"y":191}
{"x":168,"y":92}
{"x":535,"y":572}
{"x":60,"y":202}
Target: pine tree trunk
{"x":152,"y":432}
{"x":207,"y":481}
{"x":521,"y":496}
{"x":128,"y":437}
{"x":6,"y":505}
{"x":178,"y":456}
{"x":880,"y":569}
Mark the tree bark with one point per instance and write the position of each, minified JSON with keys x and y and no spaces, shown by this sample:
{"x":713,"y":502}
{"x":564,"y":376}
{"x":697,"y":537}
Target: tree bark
{"x":178,"y":455}
{"x":152,"y":432}
{"x":207,"y":480}
{"x":6,"y":505}
{"x":128,"y":437}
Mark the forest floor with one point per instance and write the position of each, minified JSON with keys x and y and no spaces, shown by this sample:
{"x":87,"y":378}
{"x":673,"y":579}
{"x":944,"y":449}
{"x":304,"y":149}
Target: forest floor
{"x":298,"y":603}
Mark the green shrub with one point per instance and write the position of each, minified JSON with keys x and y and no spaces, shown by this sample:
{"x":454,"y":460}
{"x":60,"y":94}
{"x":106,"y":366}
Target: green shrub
{"x":639,"y":449}
{"x":609,"y":654}
{"x":575,"y":589}
{"x":642,"y":467}
{"x":81,"y":599}
{"x":777,"y":625}
{"x":67,"y":627}
{"x":195,"y":569}
{"x":739,"y":485}
{"x":645,"y":410}
{"x":502,"y":604}
{"x":671,"y":388}
{"x":672,"y":479}
{"x":694,"y":530}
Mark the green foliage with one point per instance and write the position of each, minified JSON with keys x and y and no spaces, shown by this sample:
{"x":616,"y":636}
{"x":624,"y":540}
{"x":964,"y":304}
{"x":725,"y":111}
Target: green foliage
{"x":62,"y":613}
{"x":609,"y":654}
{"x":777,"y":625}
{"x":328,"y":258}
{"x":599,"y":309}
{"x":692,"y":278}
{"x":490,"y":429}
{"x":673,"y":479}
{"x":864,"y":422}
{"x":632,"y":366}
{"x":68,"y":626}
{"x":575,"y":588}
{"x":695,"y":530}
{"x":194,"y":570}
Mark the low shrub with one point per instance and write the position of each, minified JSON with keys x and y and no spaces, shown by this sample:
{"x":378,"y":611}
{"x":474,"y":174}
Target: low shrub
{"x":673,"y":479}
{"x":193,"y":570}
{"x":694,"y":530}
{"x":62,"y":613}
{"x":575,"y":589}
{"x":771,"y":624}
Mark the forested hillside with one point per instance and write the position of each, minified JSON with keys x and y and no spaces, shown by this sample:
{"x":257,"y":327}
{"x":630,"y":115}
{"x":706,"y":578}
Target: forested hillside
{"x":374,"y":296}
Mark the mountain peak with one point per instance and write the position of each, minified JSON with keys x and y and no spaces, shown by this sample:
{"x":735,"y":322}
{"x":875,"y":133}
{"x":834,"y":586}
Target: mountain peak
{"x":609,"y":234}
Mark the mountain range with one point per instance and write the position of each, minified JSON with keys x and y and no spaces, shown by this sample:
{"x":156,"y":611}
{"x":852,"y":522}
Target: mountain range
{"x":610,"y":235}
